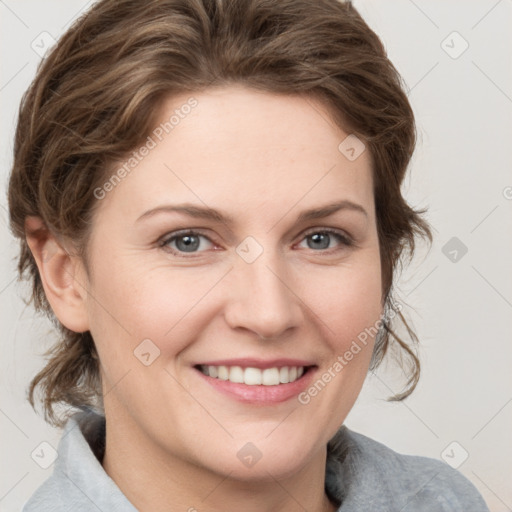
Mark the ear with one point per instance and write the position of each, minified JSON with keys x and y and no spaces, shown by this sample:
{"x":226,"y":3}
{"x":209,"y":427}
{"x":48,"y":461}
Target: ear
{"x":62,"y":275}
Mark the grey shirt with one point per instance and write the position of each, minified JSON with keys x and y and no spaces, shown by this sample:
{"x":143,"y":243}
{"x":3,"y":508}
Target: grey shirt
{"x":362,"y":475}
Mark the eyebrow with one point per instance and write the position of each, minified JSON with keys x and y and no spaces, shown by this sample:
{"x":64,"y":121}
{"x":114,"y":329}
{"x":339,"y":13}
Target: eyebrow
{"x":200,"y":212}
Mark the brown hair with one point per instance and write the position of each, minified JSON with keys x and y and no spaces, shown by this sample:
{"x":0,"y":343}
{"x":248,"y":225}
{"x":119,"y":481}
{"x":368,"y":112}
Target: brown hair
{"x":96,"y":95}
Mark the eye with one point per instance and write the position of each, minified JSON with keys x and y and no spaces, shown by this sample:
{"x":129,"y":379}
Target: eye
{"x":321,"y":239}
{"x":187,"y":241}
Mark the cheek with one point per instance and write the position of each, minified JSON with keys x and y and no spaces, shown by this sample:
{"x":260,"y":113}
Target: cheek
{"x":170,"y":306}
{"x":347,"y":301}
{"x":348,"y":306}
{"x":133,"y":303}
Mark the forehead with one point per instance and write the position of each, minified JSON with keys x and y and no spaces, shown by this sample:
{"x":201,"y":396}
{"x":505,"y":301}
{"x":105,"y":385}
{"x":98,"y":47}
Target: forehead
{"x":241,"y":148}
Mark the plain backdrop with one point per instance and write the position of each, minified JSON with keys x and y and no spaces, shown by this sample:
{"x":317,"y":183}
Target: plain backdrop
{"x":456,"y":62}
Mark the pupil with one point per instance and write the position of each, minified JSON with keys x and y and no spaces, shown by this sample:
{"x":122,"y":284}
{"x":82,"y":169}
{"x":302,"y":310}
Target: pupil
{"x":319,"y":237}
{"x":190,"y":243}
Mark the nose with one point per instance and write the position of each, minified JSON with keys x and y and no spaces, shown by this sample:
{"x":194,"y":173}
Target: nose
{"x":262,"y":298}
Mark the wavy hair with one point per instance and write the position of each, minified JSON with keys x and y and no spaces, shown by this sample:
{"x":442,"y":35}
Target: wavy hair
{"x":95,"y":97}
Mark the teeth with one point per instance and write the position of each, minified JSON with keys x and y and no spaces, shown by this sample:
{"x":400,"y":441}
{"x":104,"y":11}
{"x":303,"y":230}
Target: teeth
{"x":254,"y":376}
{"x":270,"y":377}
{"x":236,"y":374}
{"x":223,"y":373}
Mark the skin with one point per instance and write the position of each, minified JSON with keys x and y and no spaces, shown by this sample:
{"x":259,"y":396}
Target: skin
{"x":171,"y":438}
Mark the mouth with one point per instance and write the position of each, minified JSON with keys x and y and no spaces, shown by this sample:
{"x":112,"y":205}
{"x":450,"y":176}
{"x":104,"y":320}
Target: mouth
{"x":251,"y":376}
{"x":257,"y":382}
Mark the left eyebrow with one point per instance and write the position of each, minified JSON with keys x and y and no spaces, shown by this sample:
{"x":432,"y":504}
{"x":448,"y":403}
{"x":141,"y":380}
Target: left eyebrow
{"x":216,"y":215}
{"x":325,"y":211}
{"x":198,"y":212}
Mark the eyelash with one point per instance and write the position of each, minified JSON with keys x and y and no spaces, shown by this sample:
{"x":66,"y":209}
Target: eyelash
{"x":163,"y":243}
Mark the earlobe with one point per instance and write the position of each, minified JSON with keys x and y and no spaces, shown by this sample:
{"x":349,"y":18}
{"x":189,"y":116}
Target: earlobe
{"x":63,"y":283}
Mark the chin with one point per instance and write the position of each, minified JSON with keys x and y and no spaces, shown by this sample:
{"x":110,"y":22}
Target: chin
{"x":266,"y":469}
{"x":262,"y":460}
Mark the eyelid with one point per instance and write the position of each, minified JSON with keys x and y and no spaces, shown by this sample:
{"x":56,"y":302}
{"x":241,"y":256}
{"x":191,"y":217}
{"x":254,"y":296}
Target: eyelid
{"x":162,"y":241}
{"x":346,"y":239}
{"x":335,"y":231}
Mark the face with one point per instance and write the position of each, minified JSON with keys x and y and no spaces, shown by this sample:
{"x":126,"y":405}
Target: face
{"x":220,"y":256}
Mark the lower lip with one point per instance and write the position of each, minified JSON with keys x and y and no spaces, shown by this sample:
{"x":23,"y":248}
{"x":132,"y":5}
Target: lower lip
{"x":263,"y":395}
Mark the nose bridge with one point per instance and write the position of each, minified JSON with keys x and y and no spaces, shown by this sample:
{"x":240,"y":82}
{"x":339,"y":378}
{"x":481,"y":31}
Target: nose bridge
{"x":262,"y":300}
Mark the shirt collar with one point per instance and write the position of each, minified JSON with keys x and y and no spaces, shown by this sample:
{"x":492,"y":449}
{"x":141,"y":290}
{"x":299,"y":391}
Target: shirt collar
{"x":355,"y":475}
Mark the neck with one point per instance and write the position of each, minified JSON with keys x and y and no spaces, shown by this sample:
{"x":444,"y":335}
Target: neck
{"x":155,"y":481}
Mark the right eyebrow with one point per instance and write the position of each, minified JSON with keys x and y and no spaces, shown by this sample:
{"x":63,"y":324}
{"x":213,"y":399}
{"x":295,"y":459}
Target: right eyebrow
{"x":202,"y":212}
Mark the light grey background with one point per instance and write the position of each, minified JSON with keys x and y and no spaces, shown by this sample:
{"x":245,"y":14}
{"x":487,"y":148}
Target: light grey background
{"x":461,"y":309}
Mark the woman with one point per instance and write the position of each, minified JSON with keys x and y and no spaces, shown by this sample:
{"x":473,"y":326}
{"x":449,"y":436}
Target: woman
{"x":207,"y":197}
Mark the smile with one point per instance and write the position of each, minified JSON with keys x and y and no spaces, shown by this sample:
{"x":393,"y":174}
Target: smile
{"x":251,"y":376}
{"x":257,"y":381}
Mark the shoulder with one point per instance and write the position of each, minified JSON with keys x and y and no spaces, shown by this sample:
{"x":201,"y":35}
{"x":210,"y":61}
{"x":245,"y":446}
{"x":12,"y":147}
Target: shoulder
{"x":387,"y":480}
{"x":58,"y":492}
{"x":47,"y":497}
{"x":78,"y":481}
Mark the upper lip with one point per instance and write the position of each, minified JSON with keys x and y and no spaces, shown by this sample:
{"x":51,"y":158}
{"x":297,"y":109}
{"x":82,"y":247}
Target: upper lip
{"x":257,"y":363}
